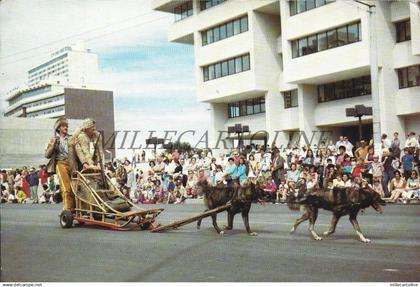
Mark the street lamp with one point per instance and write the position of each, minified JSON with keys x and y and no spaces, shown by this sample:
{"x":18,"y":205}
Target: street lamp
{"x":359,"y":111}
{"x":374,"y":76}
{"x":239,"y":130}
{"x":155,"y":141}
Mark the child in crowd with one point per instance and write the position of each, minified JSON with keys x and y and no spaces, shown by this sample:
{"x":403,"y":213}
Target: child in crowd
{"x":21,"y":196}
{"x":282,"y":190}
{"x":377,"y":186}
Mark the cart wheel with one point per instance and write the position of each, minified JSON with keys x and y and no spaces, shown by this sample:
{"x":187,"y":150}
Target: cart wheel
{"x":145,"y":226}
{"x":66,"y":219}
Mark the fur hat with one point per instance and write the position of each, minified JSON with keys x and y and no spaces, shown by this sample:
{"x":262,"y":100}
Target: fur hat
{"x":88,"y":123}
{"x":59,"y":122}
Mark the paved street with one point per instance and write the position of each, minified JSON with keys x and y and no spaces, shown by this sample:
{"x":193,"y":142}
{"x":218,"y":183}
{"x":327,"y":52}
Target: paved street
{"x":35,"y":248}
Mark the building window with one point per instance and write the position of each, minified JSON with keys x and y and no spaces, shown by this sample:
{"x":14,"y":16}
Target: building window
{"x":403,"y":31}
{"x":206,"y":4}
{"x":246,"y":108}
{"x":300,"y":6}
{"x":183,"y":11}
{"x":290,"y":99}
{"x":227,"y":67}
{"x":344,"y":89}
{"x":326,"y":40}
{"x":225,"y":30}
{"x":409,"y":77}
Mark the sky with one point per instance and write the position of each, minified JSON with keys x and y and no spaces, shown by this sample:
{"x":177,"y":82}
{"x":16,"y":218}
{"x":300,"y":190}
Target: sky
{"x":152,"y":79}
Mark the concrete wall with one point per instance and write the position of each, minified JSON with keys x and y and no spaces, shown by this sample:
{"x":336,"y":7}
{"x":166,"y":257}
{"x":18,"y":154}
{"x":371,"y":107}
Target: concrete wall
{"x":23,"y":140}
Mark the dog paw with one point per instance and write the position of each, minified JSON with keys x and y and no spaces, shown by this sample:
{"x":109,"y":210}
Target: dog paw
{"x":227,"y":227}
{"x":222,"y":233}
{"x":292,"y":230}
{"x":366,"y":240}
{"x":318,"y":238}
{"x":326,"y":233}
{"x":253,"y":234}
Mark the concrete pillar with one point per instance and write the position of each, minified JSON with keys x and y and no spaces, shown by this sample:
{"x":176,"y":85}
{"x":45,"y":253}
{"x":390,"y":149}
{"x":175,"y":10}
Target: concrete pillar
{"x":273,"y":108}
{"x":307,"y":100}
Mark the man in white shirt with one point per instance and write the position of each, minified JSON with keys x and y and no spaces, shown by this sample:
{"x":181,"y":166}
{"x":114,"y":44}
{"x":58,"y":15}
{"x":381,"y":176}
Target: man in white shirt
{"x":339,"y":143}
{"x":411,"y":140}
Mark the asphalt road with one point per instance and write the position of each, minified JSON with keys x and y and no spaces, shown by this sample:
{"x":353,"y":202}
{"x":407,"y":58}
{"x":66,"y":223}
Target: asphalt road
{"x":35,"y":248}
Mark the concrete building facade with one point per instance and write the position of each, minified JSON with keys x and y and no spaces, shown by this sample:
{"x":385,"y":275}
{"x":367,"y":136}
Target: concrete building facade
{"x":297,"y":65}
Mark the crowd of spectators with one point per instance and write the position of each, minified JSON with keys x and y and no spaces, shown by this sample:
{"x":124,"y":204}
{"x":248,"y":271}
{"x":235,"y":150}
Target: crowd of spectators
{"x":171,"y":176}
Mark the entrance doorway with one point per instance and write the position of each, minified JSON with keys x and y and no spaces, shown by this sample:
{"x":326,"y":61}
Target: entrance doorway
{"x":352,"y":133}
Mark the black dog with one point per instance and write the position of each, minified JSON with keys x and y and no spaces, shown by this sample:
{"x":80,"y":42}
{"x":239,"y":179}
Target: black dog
{"x":240,"y":197}
{"x":340,"y":201}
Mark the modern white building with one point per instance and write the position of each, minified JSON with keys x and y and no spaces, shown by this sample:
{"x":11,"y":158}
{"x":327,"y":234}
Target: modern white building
{"x":72,"y":65}
{"x":290,"y":66}
{"x":43,"y":95}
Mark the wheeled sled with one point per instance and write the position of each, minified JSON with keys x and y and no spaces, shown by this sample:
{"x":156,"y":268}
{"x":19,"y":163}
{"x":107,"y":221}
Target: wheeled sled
{"x":99,"y":202}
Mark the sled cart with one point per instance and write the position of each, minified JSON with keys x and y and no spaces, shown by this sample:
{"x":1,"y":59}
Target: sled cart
{"x":99,"y":202}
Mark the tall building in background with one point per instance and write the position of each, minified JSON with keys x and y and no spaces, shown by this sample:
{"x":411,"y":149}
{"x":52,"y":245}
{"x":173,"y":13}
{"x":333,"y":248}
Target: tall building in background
{"x":297,"y":65}
{"x":65,"y":85}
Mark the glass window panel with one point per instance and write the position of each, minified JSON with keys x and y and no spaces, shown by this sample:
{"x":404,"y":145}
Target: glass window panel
{"x":287,"y":101}
{"x":402,"y":77}
{"x":359,"y":34}
{"x":245,"y":63}
{"x":177,"y":11}
{"x":310,"y":4}
{"x":211,"y":72}
{"x":342,"y":36}
{"x":322,"y":41}
{"x":243,"y":108}
{"x":216,"y":34}
{"x":190,"y":11}
{"x":295,"y":49}
{"x":413,"y":76}
{"x":366,"y":86}
{"x":237,"y":27}
{"x":210,"y":36}
{"x":312,"y":44}
{"x":262,"y":105}
{"x":352,"y":33}
{"x":249,"y":107}
{"x":225,"y":71}
{"x":357,"y":87}
{"x":400,"y":31}
{"x":294,"y":98}
{"x":321,"y":96}
{"x":229,"y":28}
{"x":407,"y":30}
{"x":348,"y":88}
{"x":301,"y":7}
{"x":339,"y":90}
{"x":222,"y":32}
{"x":218,"y":70}
{"x":328,"y":92}
{"x":204,"y":38}
{"x":257,"y":106}
{"x":293,"y":5}
{"x":206,"y":73}
{"x":320,"y":3}
{"x":231,"y":66}
{"x":332,"y":38}
{"x":244,"y":24}
{"x":303,"y":47}
{"x":238,"y":64}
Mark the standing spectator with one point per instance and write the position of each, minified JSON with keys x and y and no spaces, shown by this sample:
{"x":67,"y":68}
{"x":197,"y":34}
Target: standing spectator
{"x":378,"y":187}
{"x":395,"y":142}
{"x":362,"y":151}
{"x":340,"y":142}
{"x":25,"y":185}
{"x":308,"y":160}
{"x":377,"y":168}
{"x":277,"y":169}
{"x":33,"y":181}
{"x":386,"y":142}
{"x":407,"y":163}
{"x":412,"y":141}
{"x":349,"y":146}
{"x":388,"y":172}
{"x":242,"y":170}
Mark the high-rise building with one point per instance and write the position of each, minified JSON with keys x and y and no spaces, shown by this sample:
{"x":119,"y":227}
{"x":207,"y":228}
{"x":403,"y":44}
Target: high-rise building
{"x":297,"y":65}
{"x":65,"y":85}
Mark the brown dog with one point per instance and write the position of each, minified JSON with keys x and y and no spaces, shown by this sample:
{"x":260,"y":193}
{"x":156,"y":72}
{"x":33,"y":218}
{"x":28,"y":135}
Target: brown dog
{"x":240,"y":197}
{"x":340,"y":201}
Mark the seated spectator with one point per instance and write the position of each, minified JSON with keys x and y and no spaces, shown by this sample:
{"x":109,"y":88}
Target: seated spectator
{"x":282,"y":190}
{"x":377,"y":186}
{"x":346,"y":164}
{"x":21,"y":196}
{"x":293,"y":174}
{"x":359,"y":168}
{"x":338,"y":181}
{"x":46,"y":196}
{"x":398,"y":185}
{"x":412,"y":189}
{"x":12,"y":198}
{"x":57,"y":197}
{"x":179,"y":192}
{"x":346,"y":180}
{"x":270,"y":188}
{"x":159,"y":193}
